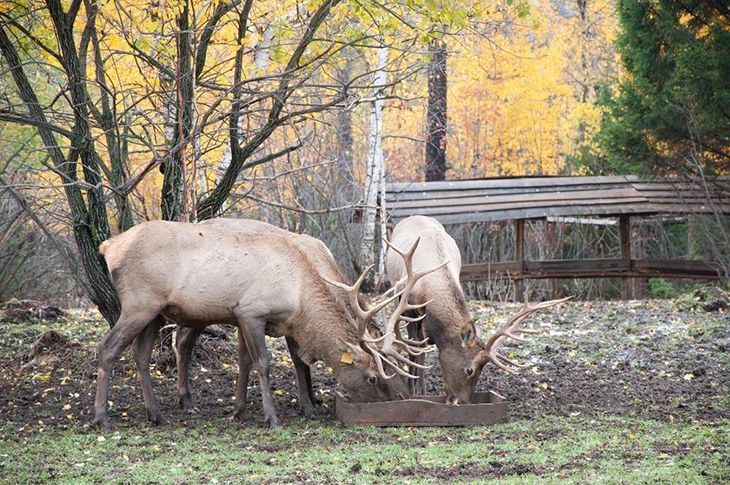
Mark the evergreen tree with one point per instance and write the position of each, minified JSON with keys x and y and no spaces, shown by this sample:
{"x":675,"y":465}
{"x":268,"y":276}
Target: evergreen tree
{"x":671,"y":111}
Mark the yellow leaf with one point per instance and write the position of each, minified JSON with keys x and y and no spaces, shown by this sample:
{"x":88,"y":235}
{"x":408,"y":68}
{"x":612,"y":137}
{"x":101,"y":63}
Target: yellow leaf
{"x":278,"y":392}
{"x":66,"y":407}
{"x":347,"y":358}
{"x":688,"y":377}
{"x":631,"y":437}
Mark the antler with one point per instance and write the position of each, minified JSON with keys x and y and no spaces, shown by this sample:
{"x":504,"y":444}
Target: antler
{"x":510,"y":329}
{"x":385,"y":349}
{"x":392,"y":342}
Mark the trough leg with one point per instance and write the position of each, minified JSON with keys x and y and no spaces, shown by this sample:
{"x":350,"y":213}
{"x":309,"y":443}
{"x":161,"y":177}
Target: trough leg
{"x":254,"y":332}
{"x":142,"y":352}
{"x":304,"y":380}
{"x":129,"y":325}
{"x":244,"y":370}
{"x":186,"y":338}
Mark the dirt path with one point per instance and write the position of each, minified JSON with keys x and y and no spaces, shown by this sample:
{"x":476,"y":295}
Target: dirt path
{"x":644,"y":359}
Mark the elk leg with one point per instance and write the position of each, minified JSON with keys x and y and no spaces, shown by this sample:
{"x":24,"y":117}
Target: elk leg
{"x":186,"y":338}
{"x":417,"y":386}
{"x":129,"y":325}
{"x":254,"y":331}
{"x":142,"y":352}
{"x":304,"y":380}
{"x":244,"y":370}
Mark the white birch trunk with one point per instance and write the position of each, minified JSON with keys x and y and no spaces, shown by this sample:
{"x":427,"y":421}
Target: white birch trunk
{"x":374,"y":182}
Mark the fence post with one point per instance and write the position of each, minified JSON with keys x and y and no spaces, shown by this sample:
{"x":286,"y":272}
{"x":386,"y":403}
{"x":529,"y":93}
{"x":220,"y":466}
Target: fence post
{"x":625,"y":237}
{"x":520,"y":258}
{"x":551,"y":241}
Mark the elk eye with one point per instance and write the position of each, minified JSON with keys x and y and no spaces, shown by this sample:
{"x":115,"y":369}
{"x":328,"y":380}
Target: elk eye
{"x":469,"y":371}
{"x":372,"y":380}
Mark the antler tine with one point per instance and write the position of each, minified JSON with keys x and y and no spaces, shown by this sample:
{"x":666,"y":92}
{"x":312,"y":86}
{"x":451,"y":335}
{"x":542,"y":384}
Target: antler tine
{"x":510,"y":329}
{"x":380,"y":359}
{"x":412,"y":319}
{"x":363,"y":316}
{"x":411,"y":350}
{"x":378,"y":362}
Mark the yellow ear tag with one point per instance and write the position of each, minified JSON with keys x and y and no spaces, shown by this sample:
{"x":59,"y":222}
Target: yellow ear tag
{"x":347,"y":358}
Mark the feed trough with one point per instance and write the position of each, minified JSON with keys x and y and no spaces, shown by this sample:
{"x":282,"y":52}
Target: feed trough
{"x":488,"y":408}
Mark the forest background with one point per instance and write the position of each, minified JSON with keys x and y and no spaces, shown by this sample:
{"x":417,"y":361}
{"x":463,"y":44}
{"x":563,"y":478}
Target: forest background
{"x":298,"y":112}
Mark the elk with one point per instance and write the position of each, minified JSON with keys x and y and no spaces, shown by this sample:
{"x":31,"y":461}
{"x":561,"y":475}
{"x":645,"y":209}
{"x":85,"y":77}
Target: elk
{"x":327,"y":267}
{"x":446,"y":323}
{"x":193,"y":275}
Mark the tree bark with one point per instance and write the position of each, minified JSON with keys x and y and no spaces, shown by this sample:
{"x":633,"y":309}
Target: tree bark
{"x":89,"y":224}
{"x":436,"y":118}
{"x":374,"y":173}
{"x":173,"y":168}
{"x":344,"y":183}
{"x":116,"y":144}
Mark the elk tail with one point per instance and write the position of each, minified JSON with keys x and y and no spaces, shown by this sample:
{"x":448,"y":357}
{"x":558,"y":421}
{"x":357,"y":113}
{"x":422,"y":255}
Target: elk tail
{"x":105,"y":246}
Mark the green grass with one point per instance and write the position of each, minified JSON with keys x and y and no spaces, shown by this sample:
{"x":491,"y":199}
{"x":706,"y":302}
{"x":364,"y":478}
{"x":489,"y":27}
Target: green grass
{"x":548,"y":449}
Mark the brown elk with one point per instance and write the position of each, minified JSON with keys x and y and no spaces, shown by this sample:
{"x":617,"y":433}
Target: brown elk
{"x":194,"y":275}
{"x":446,"y":323}
{"x":327,"y":267}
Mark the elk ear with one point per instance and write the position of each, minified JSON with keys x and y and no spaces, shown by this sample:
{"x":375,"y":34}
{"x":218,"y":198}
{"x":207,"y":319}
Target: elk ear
{"x":468,"y":335}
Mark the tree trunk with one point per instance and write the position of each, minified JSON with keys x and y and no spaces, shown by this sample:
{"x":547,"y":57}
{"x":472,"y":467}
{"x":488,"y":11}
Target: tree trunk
{"x":436,"y":113}
{"x":174,"y":167}
{"x":90,"y":225}
{"x":374,"y":172}
{"x":344,"y":186}
{"x":116,"y":141}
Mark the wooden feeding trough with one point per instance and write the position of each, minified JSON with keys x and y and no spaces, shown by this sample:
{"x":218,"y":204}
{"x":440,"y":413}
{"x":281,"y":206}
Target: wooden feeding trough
{"x":488,"y":408}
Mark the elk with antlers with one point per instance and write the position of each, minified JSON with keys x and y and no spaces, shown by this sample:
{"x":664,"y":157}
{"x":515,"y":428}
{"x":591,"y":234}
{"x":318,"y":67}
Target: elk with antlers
{"x":325,"y":264}
{"x":265,"y":284}
{"x":441,"y":315}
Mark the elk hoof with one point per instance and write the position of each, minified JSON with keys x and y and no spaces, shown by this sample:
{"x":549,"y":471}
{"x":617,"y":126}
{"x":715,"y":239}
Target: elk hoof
{"x":273,"y":422}
{"x":308,"y":412}
{"x":186,"y":404}
{"x":240,"y":414}
{"x":102,"y":422}
{"x":155,"y":417}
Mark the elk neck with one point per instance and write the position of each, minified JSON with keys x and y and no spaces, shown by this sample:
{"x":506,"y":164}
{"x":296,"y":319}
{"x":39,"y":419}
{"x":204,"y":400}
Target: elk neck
{"x":321,"y":323}
{"x":447,"y":315}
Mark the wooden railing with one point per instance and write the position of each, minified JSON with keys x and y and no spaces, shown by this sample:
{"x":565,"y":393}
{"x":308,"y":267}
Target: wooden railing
{"x":589,"y":268}
{"x":625,"y":267}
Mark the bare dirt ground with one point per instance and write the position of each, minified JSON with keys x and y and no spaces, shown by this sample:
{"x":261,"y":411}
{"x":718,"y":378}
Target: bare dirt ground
{"x":651,"y":359}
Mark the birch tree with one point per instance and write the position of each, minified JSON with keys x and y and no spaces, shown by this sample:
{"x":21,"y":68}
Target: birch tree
{"x":374,"y":182}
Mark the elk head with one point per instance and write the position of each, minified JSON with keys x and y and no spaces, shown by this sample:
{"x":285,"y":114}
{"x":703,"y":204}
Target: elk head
{"x":360,"y":378}
{"x":463,"y":365}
